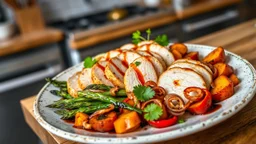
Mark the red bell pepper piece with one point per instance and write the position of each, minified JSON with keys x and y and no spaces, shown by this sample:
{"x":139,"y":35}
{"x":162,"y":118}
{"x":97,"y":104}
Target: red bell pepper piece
{"x":202,"y":106}
{"x":164,"y":123}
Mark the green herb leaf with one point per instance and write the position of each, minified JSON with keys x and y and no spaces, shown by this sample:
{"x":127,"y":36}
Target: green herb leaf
{"x":162,"y":40}
{"x":181,"y":121}
{"x":152,"y":112}
{"x":89,"y":62}
{"x":143,"y":93}
{"x":136,"y":37}
{"x":148,"y":31}
{"x":137,"y":63}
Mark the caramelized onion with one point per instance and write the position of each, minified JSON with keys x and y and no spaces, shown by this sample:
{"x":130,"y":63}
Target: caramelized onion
{"x":150,"y":84}
{"x":175,"y":104}
{"x":114,"y":90}
{"x":194,"y":94}
{"x":102,"y":111}
{"x":159,"y":92}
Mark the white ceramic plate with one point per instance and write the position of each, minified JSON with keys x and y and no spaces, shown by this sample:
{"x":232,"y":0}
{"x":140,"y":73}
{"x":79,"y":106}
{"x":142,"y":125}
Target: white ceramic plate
{"x":244,"y":92}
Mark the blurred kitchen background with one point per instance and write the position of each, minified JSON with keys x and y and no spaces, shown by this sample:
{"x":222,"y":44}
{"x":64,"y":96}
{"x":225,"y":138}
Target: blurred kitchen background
{"x":39,"y":39}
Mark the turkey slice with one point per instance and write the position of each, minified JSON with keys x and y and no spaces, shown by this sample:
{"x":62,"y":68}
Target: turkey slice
{"x":115,"y":70}
{"x":162,"y":51}
{"x":128,"y":57}
{"x":195,"y":62}
{"x":159,"y":58}
{"x":98,"y":74}
{"x":207,"y":76}
{"x":84,"y":78}
{"x":72,"y":85}
{"x":138,"y":75}
{"x":176,"y":80}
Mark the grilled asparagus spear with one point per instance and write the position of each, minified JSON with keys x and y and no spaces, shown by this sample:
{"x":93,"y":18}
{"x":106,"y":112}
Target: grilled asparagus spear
{"x":108,"y":99}
{"x":65,"y":102}
{"x":68,"y":114}
{"x":63,"y":94}
{"x":56,"y":83}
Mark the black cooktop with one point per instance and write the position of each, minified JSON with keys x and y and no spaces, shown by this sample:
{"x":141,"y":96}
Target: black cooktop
{"x":99,"y":19}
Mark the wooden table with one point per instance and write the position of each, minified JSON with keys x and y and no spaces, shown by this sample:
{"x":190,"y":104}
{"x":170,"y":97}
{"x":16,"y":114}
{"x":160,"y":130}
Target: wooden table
{"x":30,"y":40}
{"x":239,"y":129}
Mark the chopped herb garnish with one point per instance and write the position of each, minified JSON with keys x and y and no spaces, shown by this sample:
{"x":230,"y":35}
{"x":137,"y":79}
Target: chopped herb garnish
{"x":162,"y":40}
{"x":89,"y":62}
{"x":152,"y":112}
{"x":181,"y":121}
{"x":137,"y":63}
{"x":148,"y":31}
{"x":143,"y":93}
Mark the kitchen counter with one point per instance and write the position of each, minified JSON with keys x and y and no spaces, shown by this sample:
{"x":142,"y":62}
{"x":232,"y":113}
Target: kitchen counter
{"x":29,"y":41}
{"x":80,"y":40}
{"x":240,"y":128}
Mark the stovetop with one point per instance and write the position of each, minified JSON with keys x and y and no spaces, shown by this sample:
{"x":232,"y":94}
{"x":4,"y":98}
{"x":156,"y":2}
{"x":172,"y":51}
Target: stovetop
{"x":99,"y":19}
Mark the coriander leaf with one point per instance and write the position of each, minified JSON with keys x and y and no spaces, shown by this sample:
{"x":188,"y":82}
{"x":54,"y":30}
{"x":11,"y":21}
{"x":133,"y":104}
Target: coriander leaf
{"x":181,"y":121}
{"x":148,"y":31}
{"x":136,"y":37}
{"x":89,"y":62}
{"x":137,"y":63}
{"x":143,"y":93}
{"x":152,"y":112}
{"x":136,"y":41}
{"x":162,"y":40}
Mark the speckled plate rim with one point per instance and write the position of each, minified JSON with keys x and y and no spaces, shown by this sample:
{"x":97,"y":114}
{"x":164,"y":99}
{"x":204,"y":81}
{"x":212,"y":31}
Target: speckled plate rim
{"x":153,"y":137}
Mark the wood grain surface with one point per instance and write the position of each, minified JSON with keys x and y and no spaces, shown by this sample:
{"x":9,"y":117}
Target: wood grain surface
{"x":204,"y":6}
{"x":239,"y":129}
{"x":88,"y":38}
{"x":30,"y":40}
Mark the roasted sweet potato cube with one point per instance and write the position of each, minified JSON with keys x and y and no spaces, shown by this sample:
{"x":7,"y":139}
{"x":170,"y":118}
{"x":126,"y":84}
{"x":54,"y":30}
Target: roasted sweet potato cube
{"x":80,"y":118}
{"x":176,"y":54}
{"x":192,"y":55}
{"x":223,"y":88}
{"x":179,"y":47}
{"x":223,"y":69}
{"x":216,"y":56}
{"x":234,"y":79}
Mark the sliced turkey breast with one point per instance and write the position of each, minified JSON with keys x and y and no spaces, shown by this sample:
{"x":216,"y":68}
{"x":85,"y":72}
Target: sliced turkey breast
{"x":138,"y":75}
{"x":162,"y":51}
{"x":85,"y":78}
{"x":98,"y":74}
{"x":115,"y":71}
{"x":129,"y":46}
{"x":156,"y":64}
{"x":207,"y":76}
{"x":128,"y":57}
{"x":159,"y":58}
{"x":100,"y":56}
{"x":175,"y":80}
{"x":145,"y":43}
{"x":111,"y":54}
{"x":72,"y":85}
{"x":195,"y":62}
